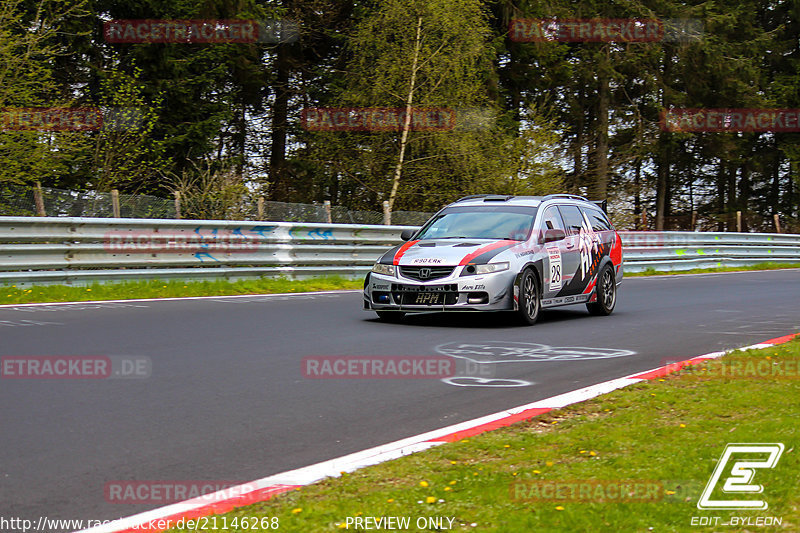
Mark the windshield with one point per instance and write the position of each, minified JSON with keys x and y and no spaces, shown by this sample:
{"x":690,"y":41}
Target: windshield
{"x":507,"y":222}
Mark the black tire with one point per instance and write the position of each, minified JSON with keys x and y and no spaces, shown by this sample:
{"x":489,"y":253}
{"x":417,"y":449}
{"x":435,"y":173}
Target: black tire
{"x":606,"y":293}
{"x":391,"y":316}
{"x":530,"y":298}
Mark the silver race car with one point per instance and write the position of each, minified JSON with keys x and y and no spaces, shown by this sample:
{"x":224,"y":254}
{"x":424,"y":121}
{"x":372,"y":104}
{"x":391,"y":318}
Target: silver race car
{"x":502,"y":253}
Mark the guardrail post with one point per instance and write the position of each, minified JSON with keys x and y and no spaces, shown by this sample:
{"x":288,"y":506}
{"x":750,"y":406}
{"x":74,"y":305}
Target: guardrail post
{"x":177,"y":204}
{"x":260,"y":207}
{"x":115,"y":203}
{"x":328,"y":217}
{"x":777,"y":219}
{"x":38,"y":199}
{"x":738,"y":221}
{"x":387,"y":214}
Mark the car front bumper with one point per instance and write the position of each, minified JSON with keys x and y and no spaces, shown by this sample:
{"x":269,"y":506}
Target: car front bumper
{"x":485,"y":292}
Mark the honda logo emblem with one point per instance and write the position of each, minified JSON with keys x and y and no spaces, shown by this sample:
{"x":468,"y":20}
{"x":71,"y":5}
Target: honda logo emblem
{"x":424,"y":273}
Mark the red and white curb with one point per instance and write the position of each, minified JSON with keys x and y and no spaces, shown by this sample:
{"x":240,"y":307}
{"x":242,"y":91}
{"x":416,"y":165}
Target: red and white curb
{"x":265,"y":488}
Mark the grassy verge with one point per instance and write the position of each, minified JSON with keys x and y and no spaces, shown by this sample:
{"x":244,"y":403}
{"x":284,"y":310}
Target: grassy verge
{"x":669,"y":432}
{"x":170,"y":289}
{"x":762,"y":266}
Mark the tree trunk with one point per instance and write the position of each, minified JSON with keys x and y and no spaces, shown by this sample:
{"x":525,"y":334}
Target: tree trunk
{"x":600,"y":186}
{"x":662,"y":177}
{"x":398,"y":171}
{"x":277,"y":157}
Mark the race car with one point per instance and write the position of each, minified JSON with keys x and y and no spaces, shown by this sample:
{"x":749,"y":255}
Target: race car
{"x":519,"y":254}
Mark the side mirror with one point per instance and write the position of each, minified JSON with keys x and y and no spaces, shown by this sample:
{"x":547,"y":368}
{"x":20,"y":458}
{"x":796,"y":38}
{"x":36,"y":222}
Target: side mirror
{"x":554,"y":235}
{"x":406,"y":234}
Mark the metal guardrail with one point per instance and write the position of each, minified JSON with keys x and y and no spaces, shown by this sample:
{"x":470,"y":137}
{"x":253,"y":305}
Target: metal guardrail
{"x":78,"y":251}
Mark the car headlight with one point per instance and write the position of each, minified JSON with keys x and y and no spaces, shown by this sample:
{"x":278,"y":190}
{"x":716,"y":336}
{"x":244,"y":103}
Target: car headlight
{"x":386,"y":270}
{"x":491,"y":267}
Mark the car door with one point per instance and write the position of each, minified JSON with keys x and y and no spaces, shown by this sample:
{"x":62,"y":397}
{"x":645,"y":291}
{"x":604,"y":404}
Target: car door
{"x":554,"y":233}
{"x":575,"y":278}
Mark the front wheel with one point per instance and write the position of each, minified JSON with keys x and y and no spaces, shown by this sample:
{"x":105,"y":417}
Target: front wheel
{"x":529,"y":302}
{"x":606,"y":293}
{"x":390,"y":316}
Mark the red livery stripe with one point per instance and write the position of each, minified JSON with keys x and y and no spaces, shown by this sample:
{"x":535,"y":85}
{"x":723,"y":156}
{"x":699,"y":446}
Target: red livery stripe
{"x":401,"y":251}
{"x":483,"y":250}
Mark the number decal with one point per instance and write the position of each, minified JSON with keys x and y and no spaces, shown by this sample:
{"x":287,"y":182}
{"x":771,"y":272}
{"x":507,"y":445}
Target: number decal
{"x":555,"y":269}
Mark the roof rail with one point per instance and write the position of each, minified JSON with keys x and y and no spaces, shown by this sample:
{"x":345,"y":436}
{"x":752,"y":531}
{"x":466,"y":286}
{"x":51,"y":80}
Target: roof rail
{"x":488,"y":197}
{"x":566,"y":196}
{"x":471,"y":197}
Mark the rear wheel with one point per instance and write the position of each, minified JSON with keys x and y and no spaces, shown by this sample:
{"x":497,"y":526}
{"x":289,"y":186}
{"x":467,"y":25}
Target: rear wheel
{"x":606,"y":293}
{"x":529,"y":304}
{"x":391,"y":316}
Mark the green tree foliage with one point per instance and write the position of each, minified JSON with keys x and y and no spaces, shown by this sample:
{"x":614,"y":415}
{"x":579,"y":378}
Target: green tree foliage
{"x":533,"y":117}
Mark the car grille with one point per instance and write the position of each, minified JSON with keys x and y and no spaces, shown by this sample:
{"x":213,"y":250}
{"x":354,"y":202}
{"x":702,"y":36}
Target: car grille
{"x":434,"y":272}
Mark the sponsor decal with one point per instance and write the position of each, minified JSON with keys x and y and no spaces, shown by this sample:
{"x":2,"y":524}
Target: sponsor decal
{"x":588,"y":245}
{"x":554,"y":276}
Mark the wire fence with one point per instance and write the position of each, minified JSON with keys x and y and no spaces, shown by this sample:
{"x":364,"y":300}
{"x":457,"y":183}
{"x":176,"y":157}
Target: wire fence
{"x":18,"y":200}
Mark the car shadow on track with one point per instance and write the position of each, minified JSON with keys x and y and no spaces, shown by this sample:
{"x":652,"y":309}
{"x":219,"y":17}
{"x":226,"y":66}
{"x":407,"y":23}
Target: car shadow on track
{"x":496,"y":320}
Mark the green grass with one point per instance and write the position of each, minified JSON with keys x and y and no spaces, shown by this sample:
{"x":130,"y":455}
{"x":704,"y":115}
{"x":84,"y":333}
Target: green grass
{"x":762,"y":266}
{"x":669,"y":430}
{"x":10,"y":294}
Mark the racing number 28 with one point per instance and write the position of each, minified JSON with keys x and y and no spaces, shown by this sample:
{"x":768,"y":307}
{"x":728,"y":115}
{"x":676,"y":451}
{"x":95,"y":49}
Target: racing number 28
{"x":555,"y":274}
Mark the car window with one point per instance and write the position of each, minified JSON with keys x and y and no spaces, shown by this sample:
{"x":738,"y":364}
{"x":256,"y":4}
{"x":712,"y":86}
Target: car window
{"x":597,"y":219}
{"x":511,"y":223}
{"x":572,"y":218}
{"x":551,"y":220}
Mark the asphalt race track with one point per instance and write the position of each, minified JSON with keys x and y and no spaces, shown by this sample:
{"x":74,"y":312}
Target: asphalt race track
{"x":226,"y":398}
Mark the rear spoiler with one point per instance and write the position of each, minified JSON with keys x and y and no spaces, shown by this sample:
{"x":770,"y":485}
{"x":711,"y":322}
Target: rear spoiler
{"x":602,"y":204}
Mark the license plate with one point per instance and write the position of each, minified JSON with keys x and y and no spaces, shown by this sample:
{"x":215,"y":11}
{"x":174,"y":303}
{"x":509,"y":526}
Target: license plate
{"x":427,"y":298}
